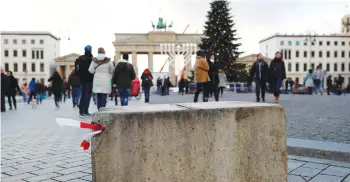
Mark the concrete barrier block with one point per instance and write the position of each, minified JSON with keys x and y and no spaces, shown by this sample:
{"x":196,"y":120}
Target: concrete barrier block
{"x":216,"y":141}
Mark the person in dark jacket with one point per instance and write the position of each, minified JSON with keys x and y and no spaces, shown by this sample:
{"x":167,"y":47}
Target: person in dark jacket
{"x":214,"y":77}
{"x":66,"y":89}
{"x":259,"y":72}
{"x":4,"y":87}
{"x":124,"y":74}
{"x":57,"y":87}
{"x":159,"y":86}
{"x":39,"y":90}
{"x":82,"y":65}
{"x":12,"y":89}
{"x":147,"y":83}
{"x":182,"y":86}
{"x":74,"y":83}
{"x":329,"y":84}
{"x":32,"y":90}
{"x":277,"y":75}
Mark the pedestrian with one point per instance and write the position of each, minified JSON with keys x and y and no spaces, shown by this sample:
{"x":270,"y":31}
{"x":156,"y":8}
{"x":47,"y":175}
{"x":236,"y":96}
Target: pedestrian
{"x":309,"y":81}
{"x":214,"y":77}
{"x":102,"y":68}
{"x":66,"y":90}
{"x":182,"y":86}
{"x":167,"y":85}
{"x":286,"y":86}
{"x":329,"y":84}
{"x":277,"y":75}
{"x":146,"y":83}
{"x":4,"y":87}
{"x":222,"y":82}
{"x":32,"y":85}
{"x":201,"y":69}
{"x":39,"y":89}
{"x":82,"y":65}
{"x":124,"y":74}
{"x":25,"y":90}
{"x":260,"y":71}
{"x":57,"y":87}
{"x":317,"y":76}
{"x":339,"y":85}
{"x":187,"y":85}
{"x":74,"y":83}
{"x":159,"y":86}
{"x":12,"y":90}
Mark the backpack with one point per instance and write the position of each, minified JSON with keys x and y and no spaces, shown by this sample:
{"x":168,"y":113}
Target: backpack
{"x":147,"y":81}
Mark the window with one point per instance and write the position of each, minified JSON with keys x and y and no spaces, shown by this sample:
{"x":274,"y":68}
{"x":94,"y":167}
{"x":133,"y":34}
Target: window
{"x":41,"y":41}
{"x":305,"y":43}
{"x":297,"y":43}
{"x":24,"y":41}
{"x":312,"y":66}
{"x":15,"y":53}
{"x":37,"y":54}
{"x":289,"y":67}
{"x":42,"y":80}
{"x":32,"y":41}
{"x":297,"y":67}
{"x":335,"y":43}
{"x":320,"y":43}
{"x":24,"y":53}
{"x":342,"y":67}
{"x":7,"y":67}
{"x":305,"y":67}
{"x":289,"y":54}
{"x":281,"y":42}
{"x":33,"y":67}
{"x":320,"y":54}
{"x":15,"y":67}
{"x":313,"y":54}
{"x":6,"y":52}
{"x":14,"y":41}
{"x":321,"y":65}
{"x":290,"y":43}
{"x":335,"y":54}
{"x":327,"y":67}
{"x":41,"y":54}
{"x":42,"y":67}
{"x":328,"y":43}
{"x":305,"y":54}
{"x":349,"y":68}
{"x":33,"y":54}
{"x":6,"y":41}
{"x":335,"y":67}
{"x":24,"y":67}
{"x":343,"y":43}
{"x":313,"y":43}
{"x":296,"y":54}
{"x":285,"y":54}
{"x":328,"y":54}
{"x":343,"y":54}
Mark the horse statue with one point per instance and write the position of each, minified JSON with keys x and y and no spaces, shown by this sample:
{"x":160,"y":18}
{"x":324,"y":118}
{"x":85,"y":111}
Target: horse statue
{"x":160,"y":24}
{"x":171,"y":25}
{"x":153,"y":26}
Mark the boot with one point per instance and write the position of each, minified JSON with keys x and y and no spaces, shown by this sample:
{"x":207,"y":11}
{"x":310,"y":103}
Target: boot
{"x":263,"y":99}
{"x":205,"y":99}
{"x":276,"y":99}
{"x":258,"y":99}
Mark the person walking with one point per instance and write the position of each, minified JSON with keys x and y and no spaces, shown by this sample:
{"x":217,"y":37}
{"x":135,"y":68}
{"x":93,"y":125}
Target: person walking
{"x":329,"y":84}
{"x":317,"y":76}
{"x":102,"y":68}
{"x":32,"y":85}
{"x":159,"y":86}
{"x":74,"y":83}
{"x":39,"y":90}
{"x":214,"y":77}
{"x":277,"y":75}
{"x":222,"y":82}
{"x":65,"y":89}
{"x":4,"y":87}
{"x":124,"y":74}
{"x":259,"y":72}
{"x":182,"y":86}
{"x":57,"y":87}
{"x":24,"y":90}
{"x":12,"y":90}
{"x":82,"y":65}
{"x":147,"y":83}
{"x":309,"y":81}
{"x":201,"y":69}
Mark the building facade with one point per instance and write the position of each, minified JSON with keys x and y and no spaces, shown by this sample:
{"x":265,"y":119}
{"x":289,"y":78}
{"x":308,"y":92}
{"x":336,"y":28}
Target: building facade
{"x":29,"y":54}
{"x":249,"y":60}
{"x":306,"y":51}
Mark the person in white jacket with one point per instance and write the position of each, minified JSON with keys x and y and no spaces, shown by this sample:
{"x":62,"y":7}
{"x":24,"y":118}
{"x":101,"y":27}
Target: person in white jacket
{"x":318,"y":77}
{"x":102,"y":67}
{"x":223,"y":82}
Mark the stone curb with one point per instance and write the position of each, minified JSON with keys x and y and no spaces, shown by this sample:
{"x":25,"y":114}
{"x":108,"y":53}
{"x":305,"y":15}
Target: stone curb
{"x":319,"y":149}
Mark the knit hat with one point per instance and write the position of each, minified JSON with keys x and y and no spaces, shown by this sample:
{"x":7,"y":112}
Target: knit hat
{"x":101,"y":50}
{"x":88,"y":48}
{"x":125,"y":56}
{"x":200,"y":53}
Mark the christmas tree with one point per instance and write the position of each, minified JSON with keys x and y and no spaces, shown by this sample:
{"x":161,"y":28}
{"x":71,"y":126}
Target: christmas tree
{"x":221,"y":39}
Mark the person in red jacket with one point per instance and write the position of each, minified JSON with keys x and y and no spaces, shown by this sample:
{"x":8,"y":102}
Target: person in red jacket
{"x":147,"y":83}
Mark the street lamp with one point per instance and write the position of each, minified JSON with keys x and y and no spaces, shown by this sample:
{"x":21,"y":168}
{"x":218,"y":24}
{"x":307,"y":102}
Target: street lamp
{"x":310,"y":39}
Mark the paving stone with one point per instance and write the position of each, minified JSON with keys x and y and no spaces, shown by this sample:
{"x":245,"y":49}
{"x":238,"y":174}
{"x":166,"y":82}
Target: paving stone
{"x":295,"y":164}
{"x":315,"y":165}
{"x":87,"y":170}
{"x":49,"y":180}
{"x":42,"y":177}
{"x":87,"y":178}
{"x":294,"y":157}
{"x":84,"y":158}
{"x":341,"y":164}
{"x":22,"y":171}
{"x":326,"y":178}
{"x":347,"y":179}
{"x":336,"y":171}
{"x":293,"y":178}
{"x":73,"y":164}
{"x":315,"y":160}
{"x":71,"y":176}
{"x":307,"y":172}
{"x":47,"y":170}
{"x":78,"y":180}
{"x":17,"y":177}
{"x":72,"y":170}
{"x":51,"y":164}
{"x":28,"y":164}
{"x":54,"y":159}
{"x":6,"y":169}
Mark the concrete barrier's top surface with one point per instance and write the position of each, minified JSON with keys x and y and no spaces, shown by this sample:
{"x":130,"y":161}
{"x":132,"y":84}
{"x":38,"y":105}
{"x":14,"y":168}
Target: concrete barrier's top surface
{"x":226,"y":104}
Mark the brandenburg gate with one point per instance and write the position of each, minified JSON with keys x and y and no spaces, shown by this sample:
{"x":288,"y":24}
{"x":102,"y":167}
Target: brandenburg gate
{"x":158,"y":42}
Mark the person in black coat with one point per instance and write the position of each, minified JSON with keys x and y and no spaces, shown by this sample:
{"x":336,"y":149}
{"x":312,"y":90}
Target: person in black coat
{"x":57,"y":87}
{"x":182,"y":86}
{"x":74,"y":82}
{"x":214,"y":76}
{"x":12,"y":89}
{"x":259,"y":73}
{"x":277,"y":75}
{"x":329,"y":84}
{"x":147,"y":83}
{"x":4,"y":87}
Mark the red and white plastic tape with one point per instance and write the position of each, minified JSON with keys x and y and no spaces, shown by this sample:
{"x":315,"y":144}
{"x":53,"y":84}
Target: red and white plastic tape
{"x":97,"y":128}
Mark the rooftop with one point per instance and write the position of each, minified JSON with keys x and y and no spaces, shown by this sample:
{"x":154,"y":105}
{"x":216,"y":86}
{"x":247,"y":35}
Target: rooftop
{"x":304,"y":35}
{"x":29,"y":33}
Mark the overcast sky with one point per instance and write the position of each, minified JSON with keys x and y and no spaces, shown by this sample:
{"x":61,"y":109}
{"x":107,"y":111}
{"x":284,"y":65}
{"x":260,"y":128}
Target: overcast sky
{"x":94,"y":22}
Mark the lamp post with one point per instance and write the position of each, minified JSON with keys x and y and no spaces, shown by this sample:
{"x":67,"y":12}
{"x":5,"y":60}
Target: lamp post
{"x":310,"y":38}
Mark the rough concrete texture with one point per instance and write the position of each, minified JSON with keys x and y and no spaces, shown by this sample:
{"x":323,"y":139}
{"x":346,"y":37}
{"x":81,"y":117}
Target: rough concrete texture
{"x":224,"y":141}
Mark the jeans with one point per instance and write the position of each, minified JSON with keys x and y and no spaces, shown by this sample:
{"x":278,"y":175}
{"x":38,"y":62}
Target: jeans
{"x":31,"y":95}
{"x":259,"y":85}
{"x":124,"y":96}
{"x":276,"y":86}
{"x":86,"y":92}
{"x":205,"y":87}
{"x":101,"y":100}
{"x":158,"y":90}
{"x":147,"y":93}
{"x":13,"y":98}
{"x":25,"y":97}
{"x":76,"y":92}
{"x":39,"y":98}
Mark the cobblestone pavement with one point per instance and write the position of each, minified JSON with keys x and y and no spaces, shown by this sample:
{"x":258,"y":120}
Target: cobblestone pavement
{"x":34,"y":148}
